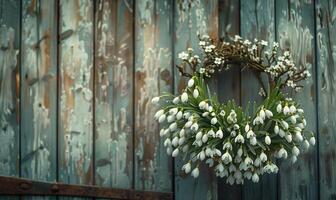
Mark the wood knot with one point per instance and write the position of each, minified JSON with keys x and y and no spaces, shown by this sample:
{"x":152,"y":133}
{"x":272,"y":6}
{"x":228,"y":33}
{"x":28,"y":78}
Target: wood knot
{"x":25,"y":186}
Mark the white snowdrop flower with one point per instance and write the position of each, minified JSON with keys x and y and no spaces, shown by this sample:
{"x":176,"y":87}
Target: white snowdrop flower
{"x":236,"y":127}
{"x":213,"y":120}
{"x":276,"y":129}
{"x":219,"y":133}
{"x":289,"y":137}
{"x":262,"y":114}
{"x":184,"y":97}
{"x":199,"y":135}
{"x":293,"y":119}
{"x":248,"y":161}
{"x":169,"y":151}
{"x":162,"y":132}
{"x":222,"y":113}
{"x":175,"y":141}
{"x":255,"y":178}
{"x":247,"y":128}
{"x":211,"y":133}
{"x":198,"y":143}
{"x":304,"y":122}
{"x":293,"y":159}
{"x":226,"y":158}
{"x":210,"y":162}
{"x":227,"y":146}
{"x":295,"y":151}
{"x":205,"y":114}
{"x":232,"y":168}
{"x":185,"y":148}
{"x":204,"y":138}
{"x":238,"y":175}
{"x":270,"y":168}
{"x":167,"y":143}
{"x":166,"y":132}
{"x":240,"y":152}
{"x":202,"y":105}
{"x":220,"y":167}
{"x":188,"y":124}
{"x":248,"y":175}
{"x":191,"y":82}
{"x":250,"y":134}
{"x":195,"y":172}
{"x":170,"y":118}
{"x":269,"y":113}
{"x":257,"y":162}
{"x":179,"y":115}
{"x":267,"y":140}
{"x":253,"y":141}
{"x":158,"y":114}
{"x":258,"y":120}
{"x":186,"y":168}
{"x":292,"y":109}
{"x":284,"y":125}
{"x":286,"y":110}
{"x":155,"y":100}
{"x":201,"y":155}
{"x":298,"y":136}
{"x":176,"y":100}
{"x":173,"y":126}
{"x":243,"y":166}
{"x":230,"y":180}
{"x":175,"y":153}
{"x":233,"y":133}
{"x":195,"y":93}
{"x":162,"y":118}
{"x":282,"y":153}
{"x":279,"y":108}
{"x":300,"y":111}
{"x":239,"y":139}
{"x":282,"y":133}
{"x":217,"y":152}
{"x":209,"y":152}
{"x":182,"y":133}
{"x":306,"y":144}
{"x":210,"y":109}
{"x":181,"y":141}
{"x":300,"y":125}
{"x":186,"y":115}
{"x":183,"y":55}
{"x":213,"y":114}
{"x":194,"y":127}
{"x":312,"y":141}
{"x":263,"y":157}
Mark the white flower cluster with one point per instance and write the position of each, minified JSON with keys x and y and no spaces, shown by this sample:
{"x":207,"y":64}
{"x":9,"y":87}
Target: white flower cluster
{"x":223,"y":137}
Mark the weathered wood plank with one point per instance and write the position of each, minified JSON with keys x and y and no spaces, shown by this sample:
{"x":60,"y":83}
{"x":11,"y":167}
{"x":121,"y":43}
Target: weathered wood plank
{"x":9,"y":87}
{"x":257,"y":21}
{"x":295,"y":25}
{"x":113,"y":93}
{"x":193,"y":18}
{"x":153,"y":75}
{"x":326,"y":59}
{"x":229,"y":81}
{"x":75,"y":90}
{"x":38,"y":103}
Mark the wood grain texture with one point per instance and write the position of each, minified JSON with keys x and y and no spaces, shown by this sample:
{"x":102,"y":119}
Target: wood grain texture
{"x":229,"y":81}
{"x":257,"y":21}
{"x":38,"y":93}
{"x":326,"y":58}
{"x":295,"y":25}
{"x":153,"y":75}
{"x":9,"y":87}
{"x":192,"y":18}
{"x":75,"y":90}
{"x":113,"y":93}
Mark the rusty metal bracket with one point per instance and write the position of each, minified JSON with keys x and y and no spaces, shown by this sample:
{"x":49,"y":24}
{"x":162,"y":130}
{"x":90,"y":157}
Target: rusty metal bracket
{"x":21,"y":186}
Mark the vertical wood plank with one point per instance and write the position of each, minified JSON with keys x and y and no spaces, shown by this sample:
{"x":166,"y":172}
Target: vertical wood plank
{"x":326,"y":88}
{"x":75,"y":86}
{"x":38,"y":94}
{"x":9,"y":87}
{"x":153,"y":75}
{"x":192,"y":18}
{"x":295,"y":25}
{"x":113,"y":93}
{"x":229,"y":81}
{"x":257,"y":21}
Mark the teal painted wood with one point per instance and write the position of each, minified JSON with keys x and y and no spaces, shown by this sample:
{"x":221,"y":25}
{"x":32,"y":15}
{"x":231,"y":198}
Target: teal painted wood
{"x":38,"y":86}
{"x":326,"y":58}
{"x":257,"y":21}
{"x":75,"y":90}
{"x":190,"y":19}
{"x":295,"y":31}
{"x":153,"y":75}
{"x":113,"y":94}
{"x":9,"y":87}
{"x":229,"y":81}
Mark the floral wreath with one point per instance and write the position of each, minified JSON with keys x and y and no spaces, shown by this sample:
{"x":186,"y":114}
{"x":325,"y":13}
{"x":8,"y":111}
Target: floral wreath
{"x":236,"y":144}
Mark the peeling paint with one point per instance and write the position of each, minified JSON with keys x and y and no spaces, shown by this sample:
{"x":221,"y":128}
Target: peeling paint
{"x":8,"y":128}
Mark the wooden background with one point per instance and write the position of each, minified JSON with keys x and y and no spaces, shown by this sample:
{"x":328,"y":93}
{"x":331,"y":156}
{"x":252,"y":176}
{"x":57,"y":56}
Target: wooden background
{"x":77,"y":77}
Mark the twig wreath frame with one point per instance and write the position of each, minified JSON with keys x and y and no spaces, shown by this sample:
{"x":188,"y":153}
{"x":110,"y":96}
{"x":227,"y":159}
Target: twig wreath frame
{"x":236,"y":144}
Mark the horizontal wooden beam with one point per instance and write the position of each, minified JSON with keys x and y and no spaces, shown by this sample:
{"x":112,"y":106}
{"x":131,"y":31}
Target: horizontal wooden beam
{"x":21,"y":186}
